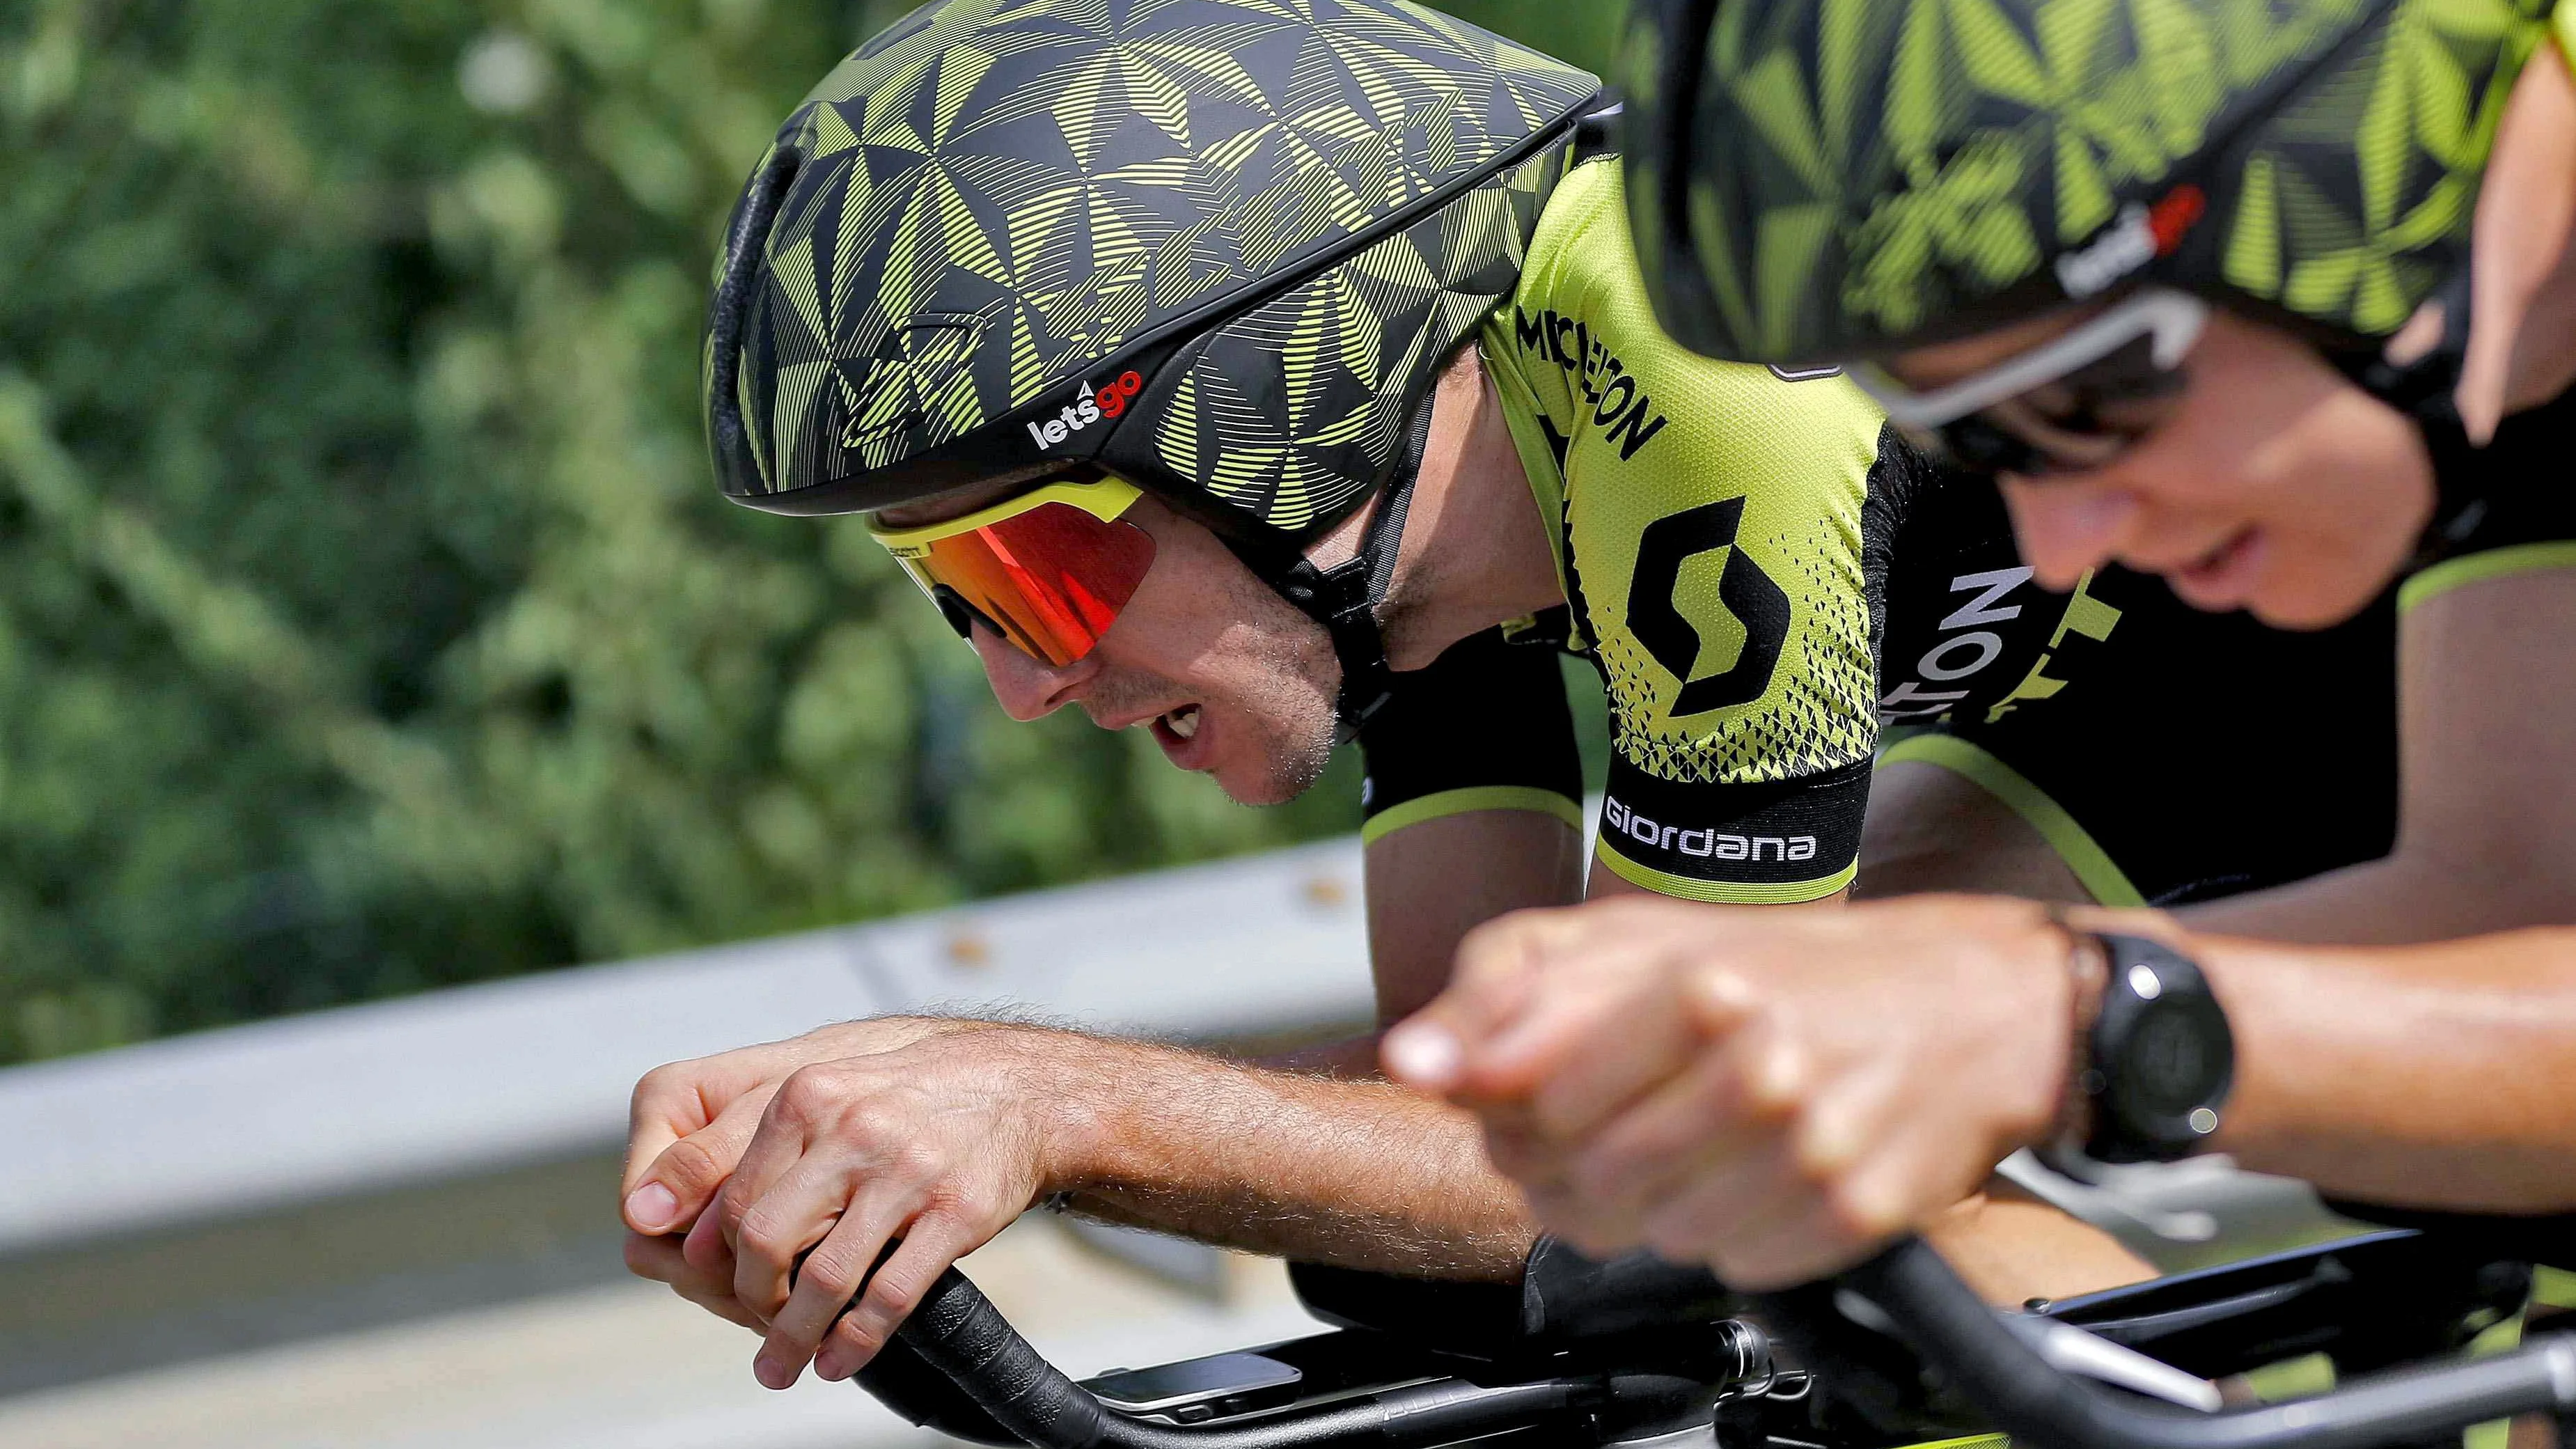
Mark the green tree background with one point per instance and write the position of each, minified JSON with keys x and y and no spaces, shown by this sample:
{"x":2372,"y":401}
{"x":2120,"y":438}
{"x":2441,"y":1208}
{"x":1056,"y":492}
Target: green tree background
{"x":368,"y":621}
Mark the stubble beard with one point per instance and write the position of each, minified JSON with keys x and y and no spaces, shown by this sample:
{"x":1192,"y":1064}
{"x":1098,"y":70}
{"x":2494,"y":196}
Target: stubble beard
{"x":1297,"y":762}
{"x":1290,"y":700}
{"x":1284,"y":691}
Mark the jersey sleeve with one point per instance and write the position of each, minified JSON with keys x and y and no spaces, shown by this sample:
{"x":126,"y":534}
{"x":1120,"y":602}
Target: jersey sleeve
{"x":2528,"y":522}
{"x":1708,"y":535}
{"x":1483,"y":727}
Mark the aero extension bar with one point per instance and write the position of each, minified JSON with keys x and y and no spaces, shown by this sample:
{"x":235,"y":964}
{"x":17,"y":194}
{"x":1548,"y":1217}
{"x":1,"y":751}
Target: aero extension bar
{"x":1999,"y":1361}
{"x":958,"y":1332}
{"x":1652,"y":1377}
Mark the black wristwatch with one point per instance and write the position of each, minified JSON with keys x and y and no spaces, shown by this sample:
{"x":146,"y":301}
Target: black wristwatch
{"x":2159,"y":1059}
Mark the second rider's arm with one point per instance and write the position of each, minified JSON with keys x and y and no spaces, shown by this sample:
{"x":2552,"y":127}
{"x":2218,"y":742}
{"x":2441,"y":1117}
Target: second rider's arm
{"x":1779,"y":1095}
{"x":2487,"y":775}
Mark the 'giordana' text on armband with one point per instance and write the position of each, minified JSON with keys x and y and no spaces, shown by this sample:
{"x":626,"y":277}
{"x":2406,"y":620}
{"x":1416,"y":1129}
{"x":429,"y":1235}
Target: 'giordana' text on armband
{"x":1618,"y":819}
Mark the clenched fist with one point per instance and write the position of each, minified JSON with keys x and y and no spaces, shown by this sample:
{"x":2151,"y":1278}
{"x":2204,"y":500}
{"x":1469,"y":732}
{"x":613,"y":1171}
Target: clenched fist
{"x":1773,"y":1093}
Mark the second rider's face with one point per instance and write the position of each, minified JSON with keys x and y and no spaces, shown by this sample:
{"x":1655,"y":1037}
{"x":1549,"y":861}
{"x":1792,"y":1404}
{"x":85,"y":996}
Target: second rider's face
{"x":2276,"y":486}
{"x":1203,"y":648}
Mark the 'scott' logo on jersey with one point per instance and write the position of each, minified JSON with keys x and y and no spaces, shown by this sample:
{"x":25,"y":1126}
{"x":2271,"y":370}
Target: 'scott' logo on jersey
{"x":1657,"y":622}
{"x":1710,"y":844}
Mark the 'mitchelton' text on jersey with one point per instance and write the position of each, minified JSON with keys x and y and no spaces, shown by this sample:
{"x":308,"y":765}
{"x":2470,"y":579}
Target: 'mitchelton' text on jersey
{"x":1620,"y":408}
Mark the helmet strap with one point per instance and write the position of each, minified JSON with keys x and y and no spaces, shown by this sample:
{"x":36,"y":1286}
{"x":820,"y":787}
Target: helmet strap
{"x":1345,"y":597}
{"x":2426,"y":391}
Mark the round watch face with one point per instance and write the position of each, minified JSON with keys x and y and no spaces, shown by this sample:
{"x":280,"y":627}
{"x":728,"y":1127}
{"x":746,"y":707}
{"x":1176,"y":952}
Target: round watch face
{"x":2169,"y":1067}
{"x":2162,"y":1056}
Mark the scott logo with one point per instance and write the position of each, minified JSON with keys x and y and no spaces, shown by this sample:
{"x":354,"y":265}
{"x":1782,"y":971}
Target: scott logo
{"x":1091,"y":407}
{"x":2141,"y":235}
{"x":1618,"y":819}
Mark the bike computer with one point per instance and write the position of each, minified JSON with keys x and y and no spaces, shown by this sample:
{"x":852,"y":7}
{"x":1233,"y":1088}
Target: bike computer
{"x":1197,"y":1381}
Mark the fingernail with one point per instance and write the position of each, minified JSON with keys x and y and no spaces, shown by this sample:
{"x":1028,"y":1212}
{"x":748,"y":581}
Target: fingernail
{"x":1426,"y":1056}
{"x":652,"y":1207}
{"x":773,"y":1373}
{"x":827,"y":1365}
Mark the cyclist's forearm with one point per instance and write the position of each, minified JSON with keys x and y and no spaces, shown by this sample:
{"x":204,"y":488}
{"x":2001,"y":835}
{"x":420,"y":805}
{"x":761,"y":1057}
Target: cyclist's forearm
{"x":2409,"y":897}
{"x":2487,"y":780}
{"x":2426,"y":1076}
{"x":1432,"y":882}
{"x":1352,"y":1059}
{"x":1358,"y":1174}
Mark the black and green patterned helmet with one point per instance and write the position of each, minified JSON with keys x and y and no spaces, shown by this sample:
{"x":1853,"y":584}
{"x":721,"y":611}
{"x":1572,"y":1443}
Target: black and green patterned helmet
{"x":1824,"y":180}
{"x":1219,"y":247}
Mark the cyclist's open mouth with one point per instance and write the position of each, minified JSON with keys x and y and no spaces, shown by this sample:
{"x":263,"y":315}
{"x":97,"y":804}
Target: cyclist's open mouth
{"x":2224,"y":577}
{"x":1177,"y":731}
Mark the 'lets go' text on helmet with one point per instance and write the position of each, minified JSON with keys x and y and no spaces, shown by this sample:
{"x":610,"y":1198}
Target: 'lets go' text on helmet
{"x":1828,"y":180}
{"x":1217,"y":247}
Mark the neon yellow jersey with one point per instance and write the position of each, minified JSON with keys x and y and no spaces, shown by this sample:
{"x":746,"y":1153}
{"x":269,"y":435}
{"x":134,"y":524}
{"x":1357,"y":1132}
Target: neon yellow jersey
{"x":1764,"y":576}
{"x":1708,"y":537}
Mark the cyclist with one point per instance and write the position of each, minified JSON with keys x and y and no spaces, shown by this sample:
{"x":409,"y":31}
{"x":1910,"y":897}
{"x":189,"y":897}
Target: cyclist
{"x":1299,"y":351}
{"x":2279,"y":484}
{"x":2126,"y":291}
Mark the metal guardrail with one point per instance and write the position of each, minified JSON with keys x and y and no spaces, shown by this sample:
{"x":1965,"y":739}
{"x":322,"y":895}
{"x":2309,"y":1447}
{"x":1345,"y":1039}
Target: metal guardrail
{"x":479,"y":1079}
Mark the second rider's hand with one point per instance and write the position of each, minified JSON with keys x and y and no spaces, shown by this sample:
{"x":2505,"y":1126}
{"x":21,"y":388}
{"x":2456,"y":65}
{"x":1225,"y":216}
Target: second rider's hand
{"x":1773,"y":1093}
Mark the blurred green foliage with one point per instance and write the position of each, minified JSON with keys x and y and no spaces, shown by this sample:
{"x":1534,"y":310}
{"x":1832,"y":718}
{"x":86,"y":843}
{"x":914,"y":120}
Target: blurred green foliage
{"x":368,"y":620}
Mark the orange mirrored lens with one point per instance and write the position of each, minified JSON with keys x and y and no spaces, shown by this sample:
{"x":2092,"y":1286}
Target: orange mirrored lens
{"x":1052,"y":580}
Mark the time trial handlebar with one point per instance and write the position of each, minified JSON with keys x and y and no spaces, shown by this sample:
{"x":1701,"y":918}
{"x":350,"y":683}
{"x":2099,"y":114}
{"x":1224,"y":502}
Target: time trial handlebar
{"x":2000,"y":1362}
{"x":2012,"y":1366}
{"x":959,"y":1333}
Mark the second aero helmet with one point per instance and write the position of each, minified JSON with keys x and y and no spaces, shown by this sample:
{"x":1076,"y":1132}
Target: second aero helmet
{"x":1832,"y":180}
{"x":1219,"y":248}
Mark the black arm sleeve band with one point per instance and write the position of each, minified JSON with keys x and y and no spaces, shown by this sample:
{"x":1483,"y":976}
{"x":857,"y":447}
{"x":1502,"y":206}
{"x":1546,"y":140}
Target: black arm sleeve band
{"x":2519,"y":481}
{"x":1739,"y":843}
{"x":1487,"y":713}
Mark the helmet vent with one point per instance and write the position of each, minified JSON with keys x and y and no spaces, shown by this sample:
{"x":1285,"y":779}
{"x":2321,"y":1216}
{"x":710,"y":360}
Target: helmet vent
{"x":746,"y":243}
{"x":918,"y":359}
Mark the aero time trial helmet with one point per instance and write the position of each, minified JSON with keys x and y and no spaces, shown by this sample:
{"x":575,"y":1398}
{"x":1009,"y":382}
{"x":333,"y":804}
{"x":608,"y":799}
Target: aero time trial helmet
{"x":1218,"y":248}
{"x":1830,"y":180}
{"x":1844,"y":178}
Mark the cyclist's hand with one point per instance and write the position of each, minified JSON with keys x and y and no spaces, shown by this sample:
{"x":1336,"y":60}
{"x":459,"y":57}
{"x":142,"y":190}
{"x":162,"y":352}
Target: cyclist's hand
{"x":1774,"y":1093}
{"x":687,"y":1127}
{"x":939,"y":1144}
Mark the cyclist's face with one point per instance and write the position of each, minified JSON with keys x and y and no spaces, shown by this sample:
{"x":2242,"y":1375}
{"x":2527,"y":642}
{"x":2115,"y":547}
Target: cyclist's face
{"x":2274,"y":485}
{"x":1228,"y":678}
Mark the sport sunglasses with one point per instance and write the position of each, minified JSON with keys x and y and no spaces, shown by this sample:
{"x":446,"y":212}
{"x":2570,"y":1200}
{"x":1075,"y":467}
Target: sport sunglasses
{"x":1047,"y":570}
{"x":2073,"y":403}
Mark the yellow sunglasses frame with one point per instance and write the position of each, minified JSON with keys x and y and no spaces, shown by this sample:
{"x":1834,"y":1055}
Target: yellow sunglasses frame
{"x":1106,"y":498}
